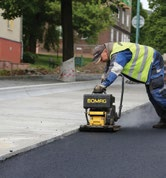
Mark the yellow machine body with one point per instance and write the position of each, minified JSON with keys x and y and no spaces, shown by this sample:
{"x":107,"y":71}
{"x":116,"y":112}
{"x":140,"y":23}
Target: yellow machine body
{"x":100,"y":113}
{"x":97,"y":118}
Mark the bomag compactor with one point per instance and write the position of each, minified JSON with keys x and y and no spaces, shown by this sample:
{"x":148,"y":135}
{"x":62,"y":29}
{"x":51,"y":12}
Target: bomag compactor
{"x":100,"y":111}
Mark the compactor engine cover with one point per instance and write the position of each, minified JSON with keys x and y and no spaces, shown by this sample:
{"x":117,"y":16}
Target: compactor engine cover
{"x":98,"y":101}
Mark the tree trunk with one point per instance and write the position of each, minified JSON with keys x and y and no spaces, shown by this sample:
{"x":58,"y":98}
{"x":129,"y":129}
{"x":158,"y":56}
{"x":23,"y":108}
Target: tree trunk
{"x":67,"y":29}
{"x":68,"y":66}
{"x":32,"y":44}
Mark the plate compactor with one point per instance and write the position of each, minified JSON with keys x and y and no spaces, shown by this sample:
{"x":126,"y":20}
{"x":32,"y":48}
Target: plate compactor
{"x":100,"y":111}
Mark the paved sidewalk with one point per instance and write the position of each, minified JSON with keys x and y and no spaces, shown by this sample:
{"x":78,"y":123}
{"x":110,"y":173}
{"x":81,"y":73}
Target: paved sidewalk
{"x":33,"y":115}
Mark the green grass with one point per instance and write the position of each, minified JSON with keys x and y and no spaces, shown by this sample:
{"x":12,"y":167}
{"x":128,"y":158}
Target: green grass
{"x":86,"y":61}
{"x":42,"y":61}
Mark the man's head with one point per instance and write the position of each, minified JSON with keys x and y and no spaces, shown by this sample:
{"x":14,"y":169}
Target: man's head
{"x":100,"y":54}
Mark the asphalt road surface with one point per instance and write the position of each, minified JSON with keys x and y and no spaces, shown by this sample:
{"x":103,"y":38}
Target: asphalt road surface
{"x":136,"y":151}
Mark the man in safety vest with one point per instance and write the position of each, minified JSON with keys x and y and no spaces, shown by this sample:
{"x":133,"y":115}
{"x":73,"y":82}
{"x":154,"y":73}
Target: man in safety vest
{"x":138,"y":63}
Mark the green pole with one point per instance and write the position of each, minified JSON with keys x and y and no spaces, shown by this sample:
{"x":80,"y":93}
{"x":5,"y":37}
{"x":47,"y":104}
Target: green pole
{"x":138,"y":20}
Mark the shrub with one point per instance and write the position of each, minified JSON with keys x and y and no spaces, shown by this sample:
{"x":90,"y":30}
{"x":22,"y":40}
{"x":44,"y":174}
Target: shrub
{"x":29,"y":57}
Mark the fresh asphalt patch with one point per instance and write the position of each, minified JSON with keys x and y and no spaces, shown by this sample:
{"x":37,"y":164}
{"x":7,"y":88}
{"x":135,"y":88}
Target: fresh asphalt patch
{"x":136,"y":151}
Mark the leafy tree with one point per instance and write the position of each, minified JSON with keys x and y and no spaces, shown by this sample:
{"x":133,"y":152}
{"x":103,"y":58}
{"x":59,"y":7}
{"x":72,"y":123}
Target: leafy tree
{"x":43,"y":16}
{"x":154,"y":3}
{"x":155,"y":28}
{"x":90,"y":18}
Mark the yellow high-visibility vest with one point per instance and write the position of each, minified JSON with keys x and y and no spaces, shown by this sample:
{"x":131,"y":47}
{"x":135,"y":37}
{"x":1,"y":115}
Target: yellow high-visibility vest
{"x":139,"y":65}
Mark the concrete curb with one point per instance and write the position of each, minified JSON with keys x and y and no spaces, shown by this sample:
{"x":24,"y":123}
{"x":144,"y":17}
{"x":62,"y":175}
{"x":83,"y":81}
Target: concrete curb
{"x":80,"y":76}
{"x":42,"y":89}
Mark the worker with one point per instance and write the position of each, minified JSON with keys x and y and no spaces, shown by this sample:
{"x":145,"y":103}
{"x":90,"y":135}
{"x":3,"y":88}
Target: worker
{"x":138,"y":63}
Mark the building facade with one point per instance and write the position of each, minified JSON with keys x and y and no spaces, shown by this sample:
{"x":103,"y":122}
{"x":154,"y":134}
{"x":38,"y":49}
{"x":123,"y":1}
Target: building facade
{"x":122,"y":28}
{"x":10,"y":40}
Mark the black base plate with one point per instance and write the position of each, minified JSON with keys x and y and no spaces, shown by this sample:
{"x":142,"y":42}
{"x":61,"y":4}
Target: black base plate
{"x":105,"y":128}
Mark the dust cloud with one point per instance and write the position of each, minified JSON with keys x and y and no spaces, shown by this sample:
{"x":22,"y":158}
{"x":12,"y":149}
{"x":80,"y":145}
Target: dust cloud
{"x":139,"y":116}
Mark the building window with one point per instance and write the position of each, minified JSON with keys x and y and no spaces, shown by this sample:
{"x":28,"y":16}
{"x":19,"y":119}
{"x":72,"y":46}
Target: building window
{"x":112,"y":34}
{"x":118,"y":14}
{"x":125,"y":38}
{"x":10,"y":24}
{"x":128,"y":21}
{"x":123,"y":17}
{"x":59,"y":29}
{"x":117,"y":36}
{"x":122,"y":37}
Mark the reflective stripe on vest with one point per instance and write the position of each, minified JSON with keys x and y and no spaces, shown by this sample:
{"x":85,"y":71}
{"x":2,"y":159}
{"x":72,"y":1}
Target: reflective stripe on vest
{"x":139,"y":65}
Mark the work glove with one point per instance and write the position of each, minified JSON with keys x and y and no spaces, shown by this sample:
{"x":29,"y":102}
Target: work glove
{"x":99,"y":89}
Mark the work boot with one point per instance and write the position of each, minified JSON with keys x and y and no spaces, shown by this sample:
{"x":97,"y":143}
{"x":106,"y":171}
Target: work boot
{"x":161,"y":124}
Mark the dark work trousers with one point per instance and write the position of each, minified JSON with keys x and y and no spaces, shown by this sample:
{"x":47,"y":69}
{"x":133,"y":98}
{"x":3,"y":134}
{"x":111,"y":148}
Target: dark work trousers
{"x":155,"y":88}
